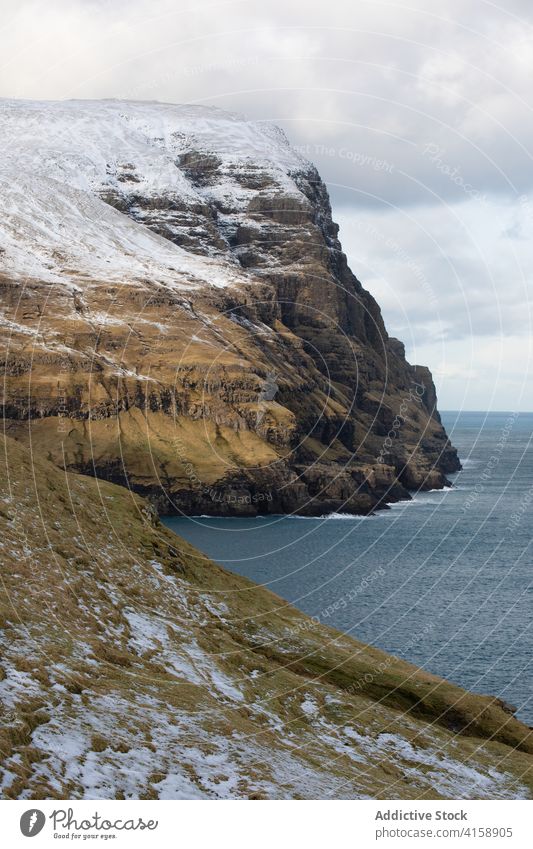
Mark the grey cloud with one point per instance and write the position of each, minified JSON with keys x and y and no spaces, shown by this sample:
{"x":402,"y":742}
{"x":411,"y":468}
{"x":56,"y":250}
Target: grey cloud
{"x":379,"y":82}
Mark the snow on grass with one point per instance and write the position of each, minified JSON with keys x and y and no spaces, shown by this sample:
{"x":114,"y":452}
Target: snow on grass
{"x":183,"y":657}
{"x":220,"y":683}
{"x":15,"y":327}
{"x":309,"y":706}
{"x":449,"y":776}
{"x":104,"y":319}
{"x":16,"y":686}
{"x":218,"y":609}
{"x":182,"y":760}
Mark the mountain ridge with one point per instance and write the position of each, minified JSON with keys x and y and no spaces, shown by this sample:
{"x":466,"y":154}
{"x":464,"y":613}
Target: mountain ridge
{"x":179,"y":317}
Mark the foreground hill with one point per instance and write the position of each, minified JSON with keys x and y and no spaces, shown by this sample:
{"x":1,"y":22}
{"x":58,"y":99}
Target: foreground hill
{"x":175,"y":297}
{"x":133,"y":667}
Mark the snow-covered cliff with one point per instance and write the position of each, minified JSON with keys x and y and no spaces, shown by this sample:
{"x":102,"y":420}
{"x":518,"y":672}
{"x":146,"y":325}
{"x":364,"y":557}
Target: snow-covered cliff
{"x":160,"y":267}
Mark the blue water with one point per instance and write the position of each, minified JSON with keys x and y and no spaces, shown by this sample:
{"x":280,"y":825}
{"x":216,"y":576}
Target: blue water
{"x":443,"y":581}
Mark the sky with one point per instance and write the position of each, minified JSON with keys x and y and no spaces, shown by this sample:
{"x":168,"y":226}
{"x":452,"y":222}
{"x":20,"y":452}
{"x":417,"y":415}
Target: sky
{"x":418,"y":116}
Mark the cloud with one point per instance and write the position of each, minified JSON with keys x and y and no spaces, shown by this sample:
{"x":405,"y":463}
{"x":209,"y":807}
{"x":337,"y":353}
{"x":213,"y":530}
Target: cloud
{"x":374,"y":79}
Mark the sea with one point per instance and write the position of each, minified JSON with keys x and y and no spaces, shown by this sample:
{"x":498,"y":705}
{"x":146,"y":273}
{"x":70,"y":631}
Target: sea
{"x":443,"y":581}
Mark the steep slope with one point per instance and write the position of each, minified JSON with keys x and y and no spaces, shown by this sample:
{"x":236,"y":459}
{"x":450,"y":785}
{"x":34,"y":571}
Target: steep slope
{"x":132,"y":667}
{"x":178,"y":315}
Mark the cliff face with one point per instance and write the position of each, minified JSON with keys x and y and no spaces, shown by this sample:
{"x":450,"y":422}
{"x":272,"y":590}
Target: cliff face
{"x":133,"y":667}
{"x":178,"y":315}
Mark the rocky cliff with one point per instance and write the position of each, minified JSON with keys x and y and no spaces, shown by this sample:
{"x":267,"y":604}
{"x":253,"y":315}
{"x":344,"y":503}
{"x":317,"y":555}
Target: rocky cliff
{"x":178,"y":316}
{"x":133,"y":667}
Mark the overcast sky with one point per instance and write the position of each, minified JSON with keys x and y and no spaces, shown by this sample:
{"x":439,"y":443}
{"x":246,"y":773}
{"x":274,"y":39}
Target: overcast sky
{"x":418,"y":115}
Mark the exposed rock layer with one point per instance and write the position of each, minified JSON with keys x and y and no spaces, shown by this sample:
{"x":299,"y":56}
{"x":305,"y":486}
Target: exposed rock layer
{"x":178,"y":316}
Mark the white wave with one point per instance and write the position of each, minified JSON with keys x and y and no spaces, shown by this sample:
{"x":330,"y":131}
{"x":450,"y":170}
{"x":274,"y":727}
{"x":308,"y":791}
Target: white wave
{"x":343,"y":516}
{"x":400,"y":504}
{"x":441,"y":489}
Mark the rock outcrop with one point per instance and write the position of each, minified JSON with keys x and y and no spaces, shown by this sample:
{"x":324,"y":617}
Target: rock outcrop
{"x":178,"y":316}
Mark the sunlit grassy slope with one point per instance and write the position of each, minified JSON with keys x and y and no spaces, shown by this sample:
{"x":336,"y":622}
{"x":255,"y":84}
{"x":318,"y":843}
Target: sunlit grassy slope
{"x":133,"y":667}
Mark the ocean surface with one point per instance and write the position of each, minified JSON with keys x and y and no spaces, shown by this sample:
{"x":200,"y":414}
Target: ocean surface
{"x":444,"y":581}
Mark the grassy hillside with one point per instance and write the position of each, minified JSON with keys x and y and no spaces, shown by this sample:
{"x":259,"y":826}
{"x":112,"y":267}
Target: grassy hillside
{"x":133,"y":667}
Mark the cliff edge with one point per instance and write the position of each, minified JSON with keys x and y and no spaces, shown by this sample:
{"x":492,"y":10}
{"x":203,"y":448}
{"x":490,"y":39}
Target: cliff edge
{"x":178,"y":316}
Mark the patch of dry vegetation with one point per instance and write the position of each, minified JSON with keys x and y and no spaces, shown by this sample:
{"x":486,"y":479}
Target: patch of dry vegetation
{"x":133,"y":667}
